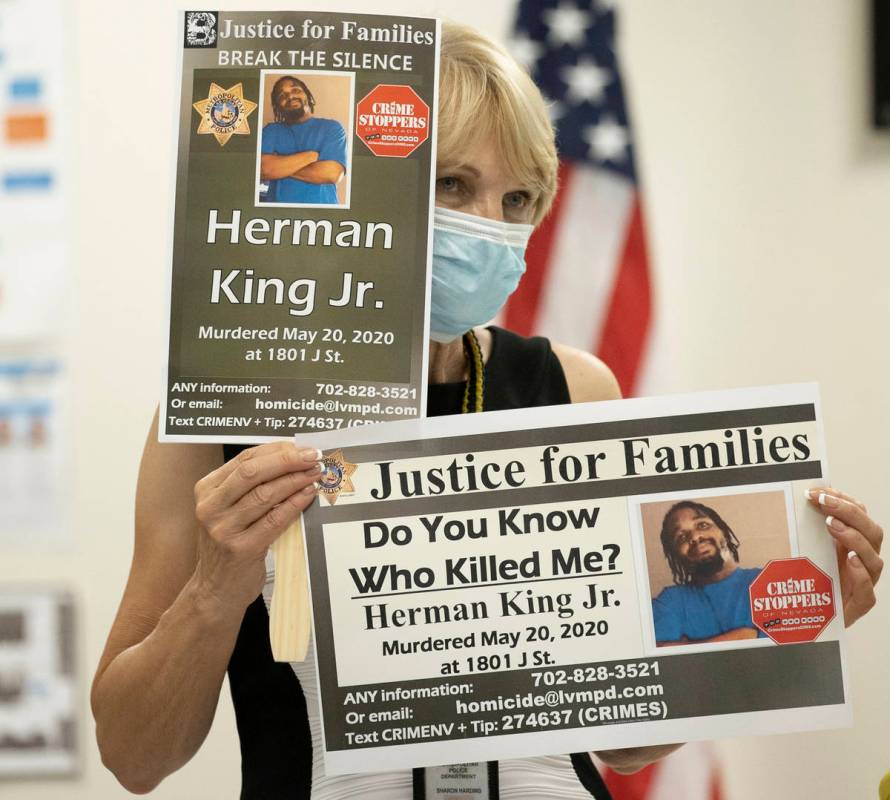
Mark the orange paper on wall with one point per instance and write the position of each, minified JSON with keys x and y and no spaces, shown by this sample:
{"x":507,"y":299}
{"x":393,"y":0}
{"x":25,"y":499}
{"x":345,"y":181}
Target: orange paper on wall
{"x":26,"y":128}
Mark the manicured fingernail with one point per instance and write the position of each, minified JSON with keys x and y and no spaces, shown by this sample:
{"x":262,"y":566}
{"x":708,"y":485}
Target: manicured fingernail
{"x":808,"y":494}
{"x":835,"y":524}
{"x":311,"y":454}
{"x":828,"y":500}
{"x":854,"y":558}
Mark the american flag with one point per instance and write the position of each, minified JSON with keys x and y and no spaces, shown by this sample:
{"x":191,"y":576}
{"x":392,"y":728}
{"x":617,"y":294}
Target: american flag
{"x":587,"y":282}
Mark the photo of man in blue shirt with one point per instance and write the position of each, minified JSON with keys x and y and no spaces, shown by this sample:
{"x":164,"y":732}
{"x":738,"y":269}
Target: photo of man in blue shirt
{"x":709,"y":601}
{"x":303,"y":157}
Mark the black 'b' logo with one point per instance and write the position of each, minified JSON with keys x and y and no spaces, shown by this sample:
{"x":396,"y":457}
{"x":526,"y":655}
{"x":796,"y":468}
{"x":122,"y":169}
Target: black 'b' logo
{"x":200,"y":28}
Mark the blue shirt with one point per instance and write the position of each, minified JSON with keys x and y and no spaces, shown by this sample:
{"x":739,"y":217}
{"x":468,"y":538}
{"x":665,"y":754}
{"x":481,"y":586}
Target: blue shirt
{"x":325,"y":136}
{"x":700,"y":612}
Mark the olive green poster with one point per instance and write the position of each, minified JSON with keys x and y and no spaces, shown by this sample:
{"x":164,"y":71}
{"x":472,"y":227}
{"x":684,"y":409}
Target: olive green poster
{"x":299,"y":278}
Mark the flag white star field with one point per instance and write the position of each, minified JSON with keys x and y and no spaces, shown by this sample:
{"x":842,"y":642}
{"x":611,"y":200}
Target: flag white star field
{"x":587,"y":282}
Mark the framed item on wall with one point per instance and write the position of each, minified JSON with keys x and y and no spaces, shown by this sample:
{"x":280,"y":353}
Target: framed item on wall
{"x":37,"y":682}
{"x":881,"y":63}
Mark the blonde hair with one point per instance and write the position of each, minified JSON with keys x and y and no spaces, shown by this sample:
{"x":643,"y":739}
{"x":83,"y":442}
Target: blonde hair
{"x":482,"y":89}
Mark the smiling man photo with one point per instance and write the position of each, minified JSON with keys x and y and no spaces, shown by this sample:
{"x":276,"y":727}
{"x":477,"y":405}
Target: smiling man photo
{"x":709,"y":599}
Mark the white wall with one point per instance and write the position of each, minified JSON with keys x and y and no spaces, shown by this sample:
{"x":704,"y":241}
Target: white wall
{"x":767,"y":202}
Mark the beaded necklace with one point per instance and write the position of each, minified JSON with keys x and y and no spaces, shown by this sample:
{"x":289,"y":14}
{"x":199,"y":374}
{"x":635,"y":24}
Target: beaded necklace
{"x":476,"y":378}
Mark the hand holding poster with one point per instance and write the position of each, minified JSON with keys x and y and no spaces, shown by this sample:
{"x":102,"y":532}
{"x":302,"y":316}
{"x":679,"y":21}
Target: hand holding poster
{"x":628,"y":573}
{"x":301,"y":227}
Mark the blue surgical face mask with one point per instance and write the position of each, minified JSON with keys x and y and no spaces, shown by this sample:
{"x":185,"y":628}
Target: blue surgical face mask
{"x":477,"y":263}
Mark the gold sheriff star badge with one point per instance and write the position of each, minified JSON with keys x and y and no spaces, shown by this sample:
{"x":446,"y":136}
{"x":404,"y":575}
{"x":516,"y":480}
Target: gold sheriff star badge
{"x":336,"y":476}
{"x":224,"y":112}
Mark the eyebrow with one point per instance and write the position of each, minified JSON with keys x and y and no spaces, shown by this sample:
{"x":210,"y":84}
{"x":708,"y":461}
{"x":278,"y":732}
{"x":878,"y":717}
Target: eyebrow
{"x":465,"y":167}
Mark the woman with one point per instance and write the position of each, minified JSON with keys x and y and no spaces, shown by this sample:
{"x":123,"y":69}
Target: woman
{"x":206,"y":516}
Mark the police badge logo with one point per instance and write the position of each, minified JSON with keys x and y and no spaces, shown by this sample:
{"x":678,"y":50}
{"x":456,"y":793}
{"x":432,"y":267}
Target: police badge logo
{"x":200,"y":28}
{"x":224,"y":113}
{"x":336,"y":476}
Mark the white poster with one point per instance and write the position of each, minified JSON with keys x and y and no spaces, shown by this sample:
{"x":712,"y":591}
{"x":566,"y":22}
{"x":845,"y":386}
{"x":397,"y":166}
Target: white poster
{"x":33,"y":460}
{"x":559,"y":580}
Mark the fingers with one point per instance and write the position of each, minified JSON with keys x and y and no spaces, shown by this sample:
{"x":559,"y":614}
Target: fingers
{"x":219,"y":476}
{"x":848,"y":513}
{"x":266,"y":496}
{"x":854,"y":542}
{"x":860,"y":591}
{"x":858,"y":539}
{"x":829,"y":493}
{"x":280,"y":517}
{"x":250,"y":469}
{"x":215,"y":478}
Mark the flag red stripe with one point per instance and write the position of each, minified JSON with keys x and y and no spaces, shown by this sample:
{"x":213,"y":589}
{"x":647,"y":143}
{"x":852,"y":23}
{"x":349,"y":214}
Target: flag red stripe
{"x":630,"y":787}
{"x":624,"y":333}
{"x":521,"y":314}
{"x":716,"y":790}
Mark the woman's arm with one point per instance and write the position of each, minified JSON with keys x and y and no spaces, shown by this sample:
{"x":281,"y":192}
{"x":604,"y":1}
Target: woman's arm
{"x":202,"y":532}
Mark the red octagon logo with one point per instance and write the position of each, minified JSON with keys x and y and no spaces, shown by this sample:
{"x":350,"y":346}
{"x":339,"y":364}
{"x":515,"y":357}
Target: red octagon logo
{"x":792,"y":600}
{"x":392,"y":120}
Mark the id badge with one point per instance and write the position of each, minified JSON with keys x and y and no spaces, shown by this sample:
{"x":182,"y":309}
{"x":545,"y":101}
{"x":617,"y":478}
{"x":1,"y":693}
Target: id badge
{"x":476,"y":780}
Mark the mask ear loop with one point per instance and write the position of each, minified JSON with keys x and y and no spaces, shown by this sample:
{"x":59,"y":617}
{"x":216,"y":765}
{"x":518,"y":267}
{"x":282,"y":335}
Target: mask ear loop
{"x":476,"y":377}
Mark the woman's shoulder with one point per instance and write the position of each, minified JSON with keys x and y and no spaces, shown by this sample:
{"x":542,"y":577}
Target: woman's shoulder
{"x":520,"y":371}
{"x":588,"y":378}
{"x":536,"y":360}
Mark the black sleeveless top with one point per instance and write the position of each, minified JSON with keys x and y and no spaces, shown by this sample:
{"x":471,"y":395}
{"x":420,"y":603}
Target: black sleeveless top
{"x":270,"y":710}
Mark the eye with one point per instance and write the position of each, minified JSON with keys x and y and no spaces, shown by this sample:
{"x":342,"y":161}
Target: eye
{"x":448,"y":184}
{"x":703,"y":525}
{"x":452,"y":191}
{"x":517,"y":200}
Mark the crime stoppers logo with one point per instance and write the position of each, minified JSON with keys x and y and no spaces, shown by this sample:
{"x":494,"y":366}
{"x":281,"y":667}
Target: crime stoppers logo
{"x":392,"y":120}
{"x":224,"y":113}
{"x":792,"y":600}
{"x":200,"y":28}
{"x":336,"y":476}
